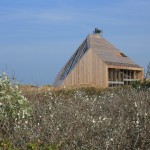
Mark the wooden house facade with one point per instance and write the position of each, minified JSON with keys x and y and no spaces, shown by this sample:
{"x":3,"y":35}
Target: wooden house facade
{"x":100,"y":64}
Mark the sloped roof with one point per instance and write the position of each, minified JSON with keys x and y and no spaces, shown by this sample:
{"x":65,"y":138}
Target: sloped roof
{"x":109,"y":53}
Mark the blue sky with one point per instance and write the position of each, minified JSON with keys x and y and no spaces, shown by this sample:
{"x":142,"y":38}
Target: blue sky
{"x":37,"y":37}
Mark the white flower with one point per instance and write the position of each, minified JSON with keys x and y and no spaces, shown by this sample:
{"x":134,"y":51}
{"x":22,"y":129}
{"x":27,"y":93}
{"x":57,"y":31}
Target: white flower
{"x":16,"y":86}
{"x":1,"y":104}
{"x":93,"y":121}
{"x":104,"y":118}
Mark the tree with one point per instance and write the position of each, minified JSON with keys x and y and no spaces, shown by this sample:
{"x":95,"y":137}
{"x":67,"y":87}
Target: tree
{"x":148,"y":72}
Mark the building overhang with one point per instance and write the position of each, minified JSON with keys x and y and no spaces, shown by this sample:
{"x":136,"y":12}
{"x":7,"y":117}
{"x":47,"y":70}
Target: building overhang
{"x":124,"y":67}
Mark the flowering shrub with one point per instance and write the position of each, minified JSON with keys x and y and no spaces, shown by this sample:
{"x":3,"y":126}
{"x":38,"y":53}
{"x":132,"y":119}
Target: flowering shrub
{"x":14,"y":107}
{"x":85,"y":119}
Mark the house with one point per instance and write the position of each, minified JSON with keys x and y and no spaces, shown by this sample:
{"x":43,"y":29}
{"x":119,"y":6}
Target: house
{"x":98,"y":63}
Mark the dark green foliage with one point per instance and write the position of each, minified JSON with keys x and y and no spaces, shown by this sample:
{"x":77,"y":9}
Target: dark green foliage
{"x":136,"y":84}
{"x":145,"y":84}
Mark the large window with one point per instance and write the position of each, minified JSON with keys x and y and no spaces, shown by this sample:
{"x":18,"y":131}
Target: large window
{"x":118,"y":77}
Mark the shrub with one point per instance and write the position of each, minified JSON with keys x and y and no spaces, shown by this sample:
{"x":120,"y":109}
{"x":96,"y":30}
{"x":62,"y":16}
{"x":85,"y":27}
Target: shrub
{"x":12,"y":103}
{"x":147,"y":76}
{"x":84,"y":119}
{"x":136,"y":84}
{"x":14,"y":107}
{"x":145,"y":84}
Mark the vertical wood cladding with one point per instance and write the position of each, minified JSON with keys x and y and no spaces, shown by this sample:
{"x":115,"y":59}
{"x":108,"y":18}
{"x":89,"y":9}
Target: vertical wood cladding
{"x":89,"y":71}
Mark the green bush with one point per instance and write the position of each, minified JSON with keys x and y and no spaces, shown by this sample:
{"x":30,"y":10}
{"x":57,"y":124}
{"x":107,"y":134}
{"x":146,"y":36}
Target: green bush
{"x":6,"y":145}
{"x":145,"y":84}
{"x":14,"y":107}
{"x":136,"y":84}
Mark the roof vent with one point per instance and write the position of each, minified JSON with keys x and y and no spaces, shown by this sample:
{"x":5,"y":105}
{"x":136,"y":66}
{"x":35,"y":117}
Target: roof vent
{"x":97,"y":31}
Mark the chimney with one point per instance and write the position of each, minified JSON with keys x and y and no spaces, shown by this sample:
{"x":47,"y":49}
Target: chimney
{"x":98,"y":31}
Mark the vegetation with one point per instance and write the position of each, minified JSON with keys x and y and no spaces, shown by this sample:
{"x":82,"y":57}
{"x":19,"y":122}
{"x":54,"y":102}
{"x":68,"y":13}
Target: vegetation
{"x":84,"y":118}
{"x":145,"y":84}
{"x":147,"y":76}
